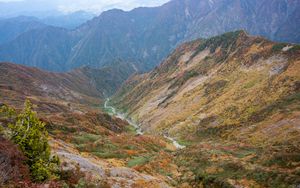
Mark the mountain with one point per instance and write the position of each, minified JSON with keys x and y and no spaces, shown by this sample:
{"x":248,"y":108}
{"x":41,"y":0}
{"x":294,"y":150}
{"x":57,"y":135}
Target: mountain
{"x":68,"y":21}
{"x":147,"y":35}
{"x":233,"y":100}
{"x":12,"y":27}
{"x":92,"y":145}
{"x":47,"y":48}
{"x":83,"y":85}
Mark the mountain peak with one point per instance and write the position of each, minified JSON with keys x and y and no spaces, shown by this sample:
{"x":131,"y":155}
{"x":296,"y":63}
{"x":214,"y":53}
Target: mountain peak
{"x":148,"y":35}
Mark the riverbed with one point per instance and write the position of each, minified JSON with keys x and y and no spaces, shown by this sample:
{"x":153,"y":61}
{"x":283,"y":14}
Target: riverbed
{"x":137,"y":127}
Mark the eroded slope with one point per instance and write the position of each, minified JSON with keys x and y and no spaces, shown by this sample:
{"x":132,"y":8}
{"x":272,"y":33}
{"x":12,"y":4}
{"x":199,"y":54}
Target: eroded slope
{"x":233,"y":99}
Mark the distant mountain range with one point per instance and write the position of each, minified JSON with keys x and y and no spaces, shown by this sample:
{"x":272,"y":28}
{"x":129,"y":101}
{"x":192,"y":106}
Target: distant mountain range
{"x":69,"y":21}
{"x":12,"y":27}
{"x":147,"y":35}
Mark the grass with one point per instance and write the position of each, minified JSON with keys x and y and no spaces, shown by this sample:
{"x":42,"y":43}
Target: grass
{"x":273,"y":178}
{"x":184,"y":78}
{"x":283,"y":159}
{"x":86,"y":137}
{"x":137,"y":161}
{"x":97,"y":145}
{"x":130,"y":129}
{"x":243,"y":153}
{"x":185,"y":142}
{"x":109,"y":155}
{"x":250,"y":84}
{"x":282,"y":104}
{"x":215,"y":87}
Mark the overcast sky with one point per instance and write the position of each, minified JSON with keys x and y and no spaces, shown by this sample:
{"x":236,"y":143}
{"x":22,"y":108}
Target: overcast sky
{"x":95,"y":6}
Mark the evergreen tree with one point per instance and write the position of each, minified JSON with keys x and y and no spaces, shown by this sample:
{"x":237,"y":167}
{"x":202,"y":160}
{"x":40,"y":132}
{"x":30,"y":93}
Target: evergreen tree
{"x":7,"y":114}
{"x":31,"y":136}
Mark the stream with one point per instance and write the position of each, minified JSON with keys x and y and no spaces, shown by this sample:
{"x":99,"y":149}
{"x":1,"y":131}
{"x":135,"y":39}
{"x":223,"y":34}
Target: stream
{"x":137,"y":127}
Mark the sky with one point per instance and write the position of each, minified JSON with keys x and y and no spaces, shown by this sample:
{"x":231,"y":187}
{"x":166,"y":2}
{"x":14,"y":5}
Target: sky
{"x":15,"y":7}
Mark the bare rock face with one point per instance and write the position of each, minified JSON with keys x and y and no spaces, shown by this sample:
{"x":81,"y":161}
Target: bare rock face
{"x":12,"y":168}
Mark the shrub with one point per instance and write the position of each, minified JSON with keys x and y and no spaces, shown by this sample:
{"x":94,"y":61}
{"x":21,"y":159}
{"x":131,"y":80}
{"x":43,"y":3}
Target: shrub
{"x":278,"y":47}
{"x":12,"y":169}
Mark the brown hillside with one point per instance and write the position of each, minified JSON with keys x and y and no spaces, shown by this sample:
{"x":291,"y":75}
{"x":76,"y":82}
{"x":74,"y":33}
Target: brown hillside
{"x":234,"y":99}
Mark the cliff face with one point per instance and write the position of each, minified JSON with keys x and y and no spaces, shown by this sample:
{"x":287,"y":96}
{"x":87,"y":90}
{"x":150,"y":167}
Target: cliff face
{"x":234,"y":90}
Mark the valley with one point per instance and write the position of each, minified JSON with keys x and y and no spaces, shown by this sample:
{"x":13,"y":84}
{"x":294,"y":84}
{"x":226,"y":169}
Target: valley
{"x":112,"y":111}
{"x":106,"y":148}
{"x":188,"y":94}
{"x":146,"y":35}
{"x":207,"y":116}
{"x":224,"y":98}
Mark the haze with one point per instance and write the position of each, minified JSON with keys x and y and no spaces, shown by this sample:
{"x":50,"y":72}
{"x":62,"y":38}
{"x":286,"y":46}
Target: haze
{"x":42,"y":8}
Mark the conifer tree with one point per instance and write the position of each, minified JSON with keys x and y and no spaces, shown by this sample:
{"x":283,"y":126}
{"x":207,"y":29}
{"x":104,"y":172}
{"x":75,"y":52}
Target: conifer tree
{"x":31,"y":136}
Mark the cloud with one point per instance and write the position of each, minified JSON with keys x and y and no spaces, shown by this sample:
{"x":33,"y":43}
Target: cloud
{"x":101,"y":5}
{"x":7,"y":1}
{"x":68,"y":6}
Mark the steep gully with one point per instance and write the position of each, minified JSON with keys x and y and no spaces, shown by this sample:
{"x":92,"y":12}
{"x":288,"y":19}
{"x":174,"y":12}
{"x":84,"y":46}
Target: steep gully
{"x":137,"y":127}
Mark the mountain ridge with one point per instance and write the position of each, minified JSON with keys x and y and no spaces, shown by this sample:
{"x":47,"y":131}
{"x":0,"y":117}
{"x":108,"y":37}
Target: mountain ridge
{"x":147,"y":35}
{"x":221,"y":97}
{"x":82,"y":85}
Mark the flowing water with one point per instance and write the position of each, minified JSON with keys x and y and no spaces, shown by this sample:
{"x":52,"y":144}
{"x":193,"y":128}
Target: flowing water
{"x":123,"y":117}
{"x":135,"y":125}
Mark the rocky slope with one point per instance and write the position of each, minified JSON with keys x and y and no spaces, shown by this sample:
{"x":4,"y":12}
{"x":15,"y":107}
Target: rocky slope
{"x":233,"y":100}
{"x":82,"y":85}
{"x":147,"y":35}
{"x":105,"y":148}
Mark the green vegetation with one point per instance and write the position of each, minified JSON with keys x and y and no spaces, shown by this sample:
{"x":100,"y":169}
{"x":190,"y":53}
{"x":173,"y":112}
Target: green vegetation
{"x":215,"y":87}
{"x":136,"y":161}
{"x":278,"y":47}
{"x":250,"y":84}
{"x":294,"y":48}
{"x":279,"y":105}
{"x":216,"y":173}
{"x":273,"y":178}
{"x":86,"y":137}
{"x":185,"y":77}
{"x":29,"y":133}
{"x":224,"y":41}
{"x":283,"y":159}
{"x":97,"y":145}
